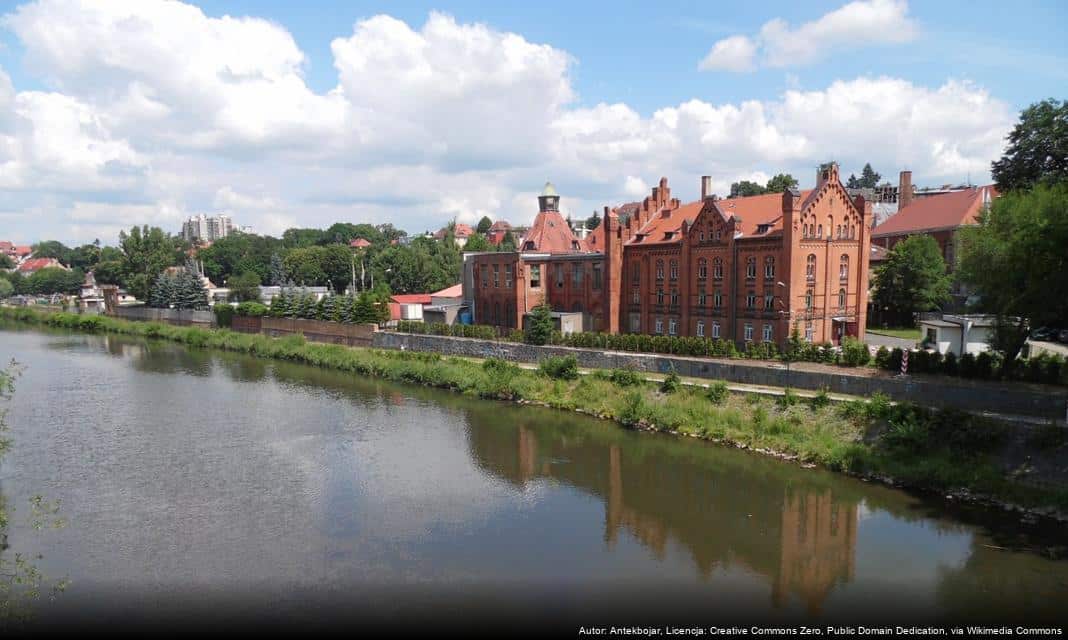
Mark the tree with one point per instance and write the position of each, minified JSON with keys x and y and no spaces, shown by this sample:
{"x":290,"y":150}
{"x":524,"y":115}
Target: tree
{"x":318,"y":266}
{"x":108,"y":272}
{"x":746,"y":188}
{"x":484,"y":225}
{"x":6,"y":289}
{"x":780,"y":183}
{"x":145,"y":253}
{"x":1016,"y":264}
{"x":239,"y":253}
{"x":54,"y":280}
{"x":6,"y":262}
{"x":912,"y":279}
{"x":1037,"y":150}
{"x":508,"y":241}
{"x":539,"y":325}
{"x":52,"y":249}
{"x":244,"y":287}
{"x":276,"y":271}
{"x":868,"y":179}
{"x":477,"y":242}
{"x":592,"y":222}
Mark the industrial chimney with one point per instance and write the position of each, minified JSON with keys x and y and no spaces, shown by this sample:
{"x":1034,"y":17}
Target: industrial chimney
{"x":706,"y":187}
{"x":904,"y":190}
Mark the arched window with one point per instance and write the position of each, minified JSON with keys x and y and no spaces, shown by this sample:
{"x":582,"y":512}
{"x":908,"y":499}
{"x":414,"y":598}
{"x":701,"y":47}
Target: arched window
{"x":809,"y":299}
{"x":838,"y":232}
{"x":843,"y":268}
{"x":702,"y":269}
{"x":659,"y":269}
{"x":769,"y":267}
{"x":674,"y":270}
{"x":810,"y":267}
{"x":750,"y":267}
{"x":717,"y":268}
{"x":804,"y":231}
{"x":819,"y":231}
{"x":841,"y":298}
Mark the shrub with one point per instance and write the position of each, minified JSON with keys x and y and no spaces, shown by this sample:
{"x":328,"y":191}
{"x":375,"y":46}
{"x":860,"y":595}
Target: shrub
{"x":964,"y":433}
{"x":820,"y":400}
{"x":949,"y":364}
{"x":906,"y":434}
{"x":882,"y":358}
{"x":894,"y":362}
{"x":499,"y":367}
{"x":671,"y":383}
{"x":539,"y":325}
{"x":224,"y":314}
{"x":787,"y":399}
{"x":625,"y":377}
{"x":559,"y":367}
{"x":879,"y":405}
{"x":968,"y":366}
{"x":984,"y":366}
{"x":718,"y":392}
{"x":251,"y":309}
{"x":854,"y":352}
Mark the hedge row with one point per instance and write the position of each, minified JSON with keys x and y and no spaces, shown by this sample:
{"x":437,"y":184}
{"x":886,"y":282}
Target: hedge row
{"x":988,"y":365}
{"x":441,"y":329}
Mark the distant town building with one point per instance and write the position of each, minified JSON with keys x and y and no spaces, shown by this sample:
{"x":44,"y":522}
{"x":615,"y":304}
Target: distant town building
{"x":33,"y":265}
{"x":202,"y":228}
{"x":359,"y":243}
{"x":17,"y":253}
{"x":497,"y":231}
{"x":461,"y":232}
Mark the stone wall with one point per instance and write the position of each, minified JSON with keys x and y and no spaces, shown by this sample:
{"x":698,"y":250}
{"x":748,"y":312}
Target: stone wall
{"x":353,"y":335}
{"x":179,"y":317}
{"x":1024,"y":399}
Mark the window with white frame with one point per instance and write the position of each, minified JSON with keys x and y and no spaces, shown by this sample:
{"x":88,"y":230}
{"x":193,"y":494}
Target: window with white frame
{"x":659,"y":269}
{"x":702,"y":298}
{"x":660,"y":296}
{"x":700,"y":328}
{"x":810,"y":332}
{"x":750,"y":300}
{"x":702,"y":269}
{"x":717,"y":268}
{"x":750,"y":268}
{"x":637,"y":297}
{"x":715,"y":329}
{"x":659,"y":326}
{"x":673,"y":326}
{"x":717,"y":299}
{"x":767,"y":333}
{"x":674,"y":270}
{"x":769,"y":267}
{"x":748,"y":332}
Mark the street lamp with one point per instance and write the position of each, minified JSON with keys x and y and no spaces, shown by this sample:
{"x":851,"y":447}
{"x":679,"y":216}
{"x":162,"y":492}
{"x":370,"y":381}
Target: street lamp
{"x":788,"y":354}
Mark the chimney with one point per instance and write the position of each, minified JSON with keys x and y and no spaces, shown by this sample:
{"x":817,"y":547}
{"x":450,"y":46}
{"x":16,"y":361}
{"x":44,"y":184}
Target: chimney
{"x":904,"y":190}
{"x":706,"y":187}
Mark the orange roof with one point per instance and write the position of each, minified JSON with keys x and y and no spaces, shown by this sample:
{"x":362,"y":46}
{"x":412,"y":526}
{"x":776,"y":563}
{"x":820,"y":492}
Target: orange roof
{"x":455,"y":291}
{"x":35,"y":264}
{"x":23,"y":250}
{"x":754,"y":211}
{"x":359,"y":243}
{"x":411,"y":298}
{"x":550,"y":234}
{"x":666,"y":224}
{"x":5,"y":245}
{"x":945,"y":211}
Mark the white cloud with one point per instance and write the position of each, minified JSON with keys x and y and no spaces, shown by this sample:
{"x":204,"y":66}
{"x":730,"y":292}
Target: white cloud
{"x":853,"y":26}
{"x":736,"y":53}
{"x":155,"y":111}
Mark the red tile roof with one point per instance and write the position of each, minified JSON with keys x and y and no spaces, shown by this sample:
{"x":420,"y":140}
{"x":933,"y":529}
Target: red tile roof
{"x":411,"y":298}
{"x":359,"y":243}
{"x":460,"y":231}
{"x":5,"y":245}
{"x":595,"y":242}
{"x":455,"y":291}
{"x":757,"y":210}
{"x":945,"y":211}
{"x":35,"y":264}
{"x":666,"y":224}
{"x":23,"y":250}
{"x":550,"y":234}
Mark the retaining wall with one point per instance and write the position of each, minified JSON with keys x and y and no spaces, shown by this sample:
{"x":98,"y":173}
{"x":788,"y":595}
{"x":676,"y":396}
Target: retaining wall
{"x":940,"y":391}
{"x":180,"y":317}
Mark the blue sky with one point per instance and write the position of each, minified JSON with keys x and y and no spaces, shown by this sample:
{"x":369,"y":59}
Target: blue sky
{"x":593,"y":94}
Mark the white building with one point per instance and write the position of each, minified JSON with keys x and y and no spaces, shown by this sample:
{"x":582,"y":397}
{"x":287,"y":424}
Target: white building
{"x":958,"y":333}
{"x":207,"y":229}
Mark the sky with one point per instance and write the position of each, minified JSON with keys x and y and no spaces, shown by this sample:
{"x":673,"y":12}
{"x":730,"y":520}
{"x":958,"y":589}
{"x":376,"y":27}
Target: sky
{"x":282,"y":114}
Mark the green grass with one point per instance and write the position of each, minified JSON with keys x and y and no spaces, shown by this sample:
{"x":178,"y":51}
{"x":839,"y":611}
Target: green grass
{"x":921,"y":448}
{"x":905,"y":333}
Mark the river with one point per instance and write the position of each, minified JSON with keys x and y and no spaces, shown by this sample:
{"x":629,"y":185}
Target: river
{"x":206,"y":486}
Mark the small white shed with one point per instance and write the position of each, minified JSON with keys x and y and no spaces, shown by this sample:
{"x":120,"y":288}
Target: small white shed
{"x":958,"y":333}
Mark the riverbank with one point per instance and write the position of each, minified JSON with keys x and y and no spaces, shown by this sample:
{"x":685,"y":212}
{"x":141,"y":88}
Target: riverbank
{"x":941,"y":451}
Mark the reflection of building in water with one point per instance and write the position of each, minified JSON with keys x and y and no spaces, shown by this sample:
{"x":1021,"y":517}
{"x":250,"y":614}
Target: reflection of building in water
{"x":802,"y":538}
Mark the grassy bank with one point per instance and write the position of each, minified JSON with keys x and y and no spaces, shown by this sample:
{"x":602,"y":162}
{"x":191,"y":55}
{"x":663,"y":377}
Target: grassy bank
{"x":937,"y":450}
{"x":905,"y":333}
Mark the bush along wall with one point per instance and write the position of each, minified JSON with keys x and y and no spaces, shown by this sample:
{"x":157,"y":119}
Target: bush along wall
{"x":988,"y":365}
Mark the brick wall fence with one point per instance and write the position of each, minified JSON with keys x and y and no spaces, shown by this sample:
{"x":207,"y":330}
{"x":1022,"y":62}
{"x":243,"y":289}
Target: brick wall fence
{"x":941,"y":391}
{"x":353,"y":335}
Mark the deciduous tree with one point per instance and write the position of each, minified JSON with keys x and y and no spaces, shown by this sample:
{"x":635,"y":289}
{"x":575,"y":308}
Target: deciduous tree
{"x":912,"y":279}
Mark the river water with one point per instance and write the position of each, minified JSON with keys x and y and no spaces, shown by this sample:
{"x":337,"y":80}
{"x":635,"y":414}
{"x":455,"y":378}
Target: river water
{"x":200,"y":485}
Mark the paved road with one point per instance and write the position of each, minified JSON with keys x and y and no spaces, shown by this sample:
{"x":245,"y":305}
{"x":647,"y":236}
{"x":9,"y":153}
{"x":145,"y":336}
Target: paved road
{"x":889,"y":342}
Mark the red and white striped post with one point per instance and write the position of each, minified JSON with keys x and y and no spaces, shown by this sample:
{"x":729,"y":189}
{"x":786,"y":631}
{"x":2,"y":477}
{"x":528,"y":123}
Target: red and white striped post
{"x":904,"y":362}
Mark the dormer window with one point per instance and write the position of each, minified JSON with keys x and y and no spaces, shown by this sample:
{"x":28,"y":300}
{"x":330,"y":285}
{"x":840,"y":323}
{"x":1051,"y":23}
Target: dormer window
{"x":763,"y":228}
{"x":528,"y":246}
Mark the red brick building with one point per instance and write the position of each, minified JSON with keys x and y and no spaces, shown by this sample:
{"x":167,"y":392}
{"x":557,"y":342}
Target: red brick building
{"x":743,"y":269}
{"x":939,"y":216}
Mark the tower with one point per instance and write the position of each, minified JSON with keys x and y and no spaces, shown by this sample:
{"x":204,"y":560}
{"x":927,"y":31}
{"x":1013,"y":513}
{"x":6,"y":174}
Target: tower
{"x":549,"y":200}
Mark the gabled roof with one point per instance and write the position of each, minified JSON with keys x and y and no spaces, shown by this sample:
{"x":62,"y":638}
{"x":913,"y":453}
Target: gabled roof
{"x":665,"y":226}
{"x":550,"y":234}
{"x":411,"y":298}
{"x":35,"y":264}
{"x":754,"y":211}
{"x":359,"y":243}
{"x":594,"y":241}
{"x":455,"y":291}
{"x":461,"y":230}
{"x":945,"y":211}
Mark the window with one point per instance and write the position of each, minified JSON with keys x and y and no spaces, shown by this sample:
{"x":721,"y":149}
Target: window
{"x":674,"y":297}
{"x":769,"y":301}
{"x":535,"y":276}
{"x":717,"y":269}
{"x":843,"y":268}
{"x":750,"y":300}
{"x":810,"y":332}
{"x":558,"y":269}
{"x":596,"y":277}
{"x":576,"y":275}
{"x":635,"y":274}
{"x":750,"y":268}
{"x":660,"y":296}
{"x":659,"y":326}
{"x":748,"y":332}
{"x":672,"y":326}
{"x":769,"y":267}
{"x":700,"y":328}
{"x":485,"y":276}
{"x":508,"y":276}
{"x":702,"y":269}
{"x":841,"y":298}
{"x":838,"y":231}
{"x":804,"y":231}
{"x":674,"y":270}
{"x":715,"y":329}
{"x":659,"y":269}
{"x":809,"y":297}
{"x":637,"y":298}
{"x":702,"y":236}
{"x":718,"y":234}
{"x":496,"y":276}
{"x":932,"y":335}
{"x":496,"y":313}
{"x":717,"y":299}
{"x":767,"y":333}
{"x":702,"y":298}
{"x":810,"y":267}
{"x":819,"y":231}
